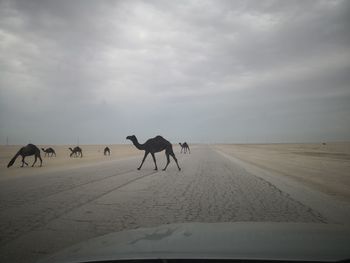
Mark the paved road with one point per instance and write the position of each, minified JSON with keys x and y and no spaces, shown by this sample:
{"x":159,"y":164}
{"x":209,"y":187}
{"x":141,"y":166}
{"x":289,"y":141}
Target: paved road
{"x":44,"y":213}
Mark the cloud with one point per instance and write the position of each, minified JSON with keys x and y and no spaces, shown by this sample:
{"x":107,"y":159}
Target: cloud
{"x":154,"y":67}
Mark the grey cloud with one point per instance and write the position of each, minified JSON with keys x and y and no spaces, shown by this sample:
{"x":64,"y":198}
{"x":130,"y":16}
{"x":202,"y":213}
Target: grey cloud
{"x":229,"y":71}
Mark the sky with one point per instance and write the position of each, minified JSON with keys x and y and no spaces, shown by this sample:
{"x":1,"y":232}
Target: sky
{"x":195,"y":71}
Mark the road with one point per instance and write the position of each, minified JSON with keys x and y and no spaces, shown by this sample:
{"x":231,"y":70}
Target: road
{"x":44,"y":213}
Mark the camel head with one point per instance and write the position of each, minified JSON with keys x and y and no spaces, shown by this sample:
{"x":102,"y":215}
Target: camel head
{"x":70,"y":149}
{"x":180,"y":143}
{"x":131,"y":137}
{"x":43,"y":149}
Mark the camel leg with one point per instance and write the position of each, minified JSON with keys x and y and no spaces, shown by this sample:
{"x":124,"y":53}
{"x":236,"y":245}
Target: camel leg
{"x":173,"y":155}
{"x":144,"y":158}
{"x":41,"y":161}
{"x":23,"y":161}
{"x":155,"y":163}
{"x":36,"y":157}
{"x":81,"y":154}
{"x":167,"y":160}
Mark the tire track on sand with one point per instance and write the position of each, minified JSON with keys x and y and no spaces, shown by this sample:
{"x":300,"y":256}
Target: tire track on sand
{"x":40,"y":214}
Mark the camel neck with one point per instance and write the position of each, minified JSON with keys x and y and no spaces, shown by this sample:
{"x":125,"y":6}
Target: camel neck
{"x":138,"y":145}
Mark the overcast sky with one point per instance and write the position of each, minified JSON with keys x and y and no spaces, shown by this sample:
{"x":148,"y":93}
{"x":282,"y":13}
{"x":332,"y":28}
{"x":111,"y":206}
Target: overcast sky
{"x":196,"y":71}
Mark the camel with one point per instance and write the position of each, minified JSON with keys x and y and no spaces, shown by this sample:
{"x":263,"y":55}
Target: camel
{"x":107,"y":150}
{"x":25,"y":151}
{"x":76,"y":151}
{"x":184,"y":147}
{"x":153,"y":145}
{"x":48,"y":151}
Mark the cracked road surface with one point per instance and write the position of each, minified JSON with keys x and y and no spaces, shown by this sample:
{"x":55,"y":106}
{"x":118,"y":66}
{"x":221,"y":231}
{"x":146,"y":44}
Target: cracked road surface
{"x":44,"y":213}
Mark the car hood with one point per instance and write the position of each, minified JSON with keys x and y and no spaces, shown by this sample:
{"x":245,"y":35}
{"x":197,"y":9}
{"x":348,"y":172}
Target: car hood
{"x":255,"y":241}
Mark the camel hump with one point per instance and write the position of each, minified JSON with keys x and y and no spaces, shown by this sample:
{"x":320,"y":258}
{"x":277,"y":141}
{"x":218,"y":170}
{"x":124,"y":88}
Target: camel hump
{"x":159,"y":138}
{"x":31,"y":146}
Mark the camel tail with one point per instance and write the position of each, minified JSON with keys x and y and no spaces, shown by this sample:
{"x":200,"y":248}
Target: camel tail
{"x":13,"y":159}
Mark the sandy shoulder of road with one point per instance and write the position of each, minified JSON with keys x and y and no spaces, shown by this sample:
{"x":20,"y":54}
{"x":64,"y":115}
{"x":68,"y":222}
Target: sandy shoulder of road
{"x":92,"y":154}
{"x":324,"y":167}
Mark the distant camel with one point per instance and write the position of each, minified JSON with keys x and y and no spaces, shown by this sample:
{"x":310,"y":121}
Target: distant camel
{"x":107,"y":150}
{"x":156,"y":144}
{"x":76,"y":151}
{"x":184,"y":147}
{"x":48,"y":151}
{"x":25,"y":151}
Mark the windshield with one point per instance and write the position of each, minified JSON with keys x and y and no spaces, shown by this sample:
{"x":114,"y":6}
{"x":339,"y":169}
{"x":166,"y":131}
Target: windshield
{"x":119,"y":115}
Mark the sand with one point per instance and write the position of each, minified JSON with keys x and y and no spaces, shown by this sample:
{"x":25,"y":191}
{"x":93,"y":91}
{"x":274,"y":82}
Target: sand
{"x":92,"y":154}
{"x":325,"y":168}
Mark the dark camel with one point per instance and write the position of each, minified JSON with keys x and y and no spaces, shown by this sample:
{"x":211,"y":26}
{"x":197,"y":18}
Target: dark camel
{"x":107,"y":150}
{"x":48,"y":151}
{"x":25,"y":151}
{"x":76,"y":151}
{"x":156,"y":144}
{"x":184,"y":147}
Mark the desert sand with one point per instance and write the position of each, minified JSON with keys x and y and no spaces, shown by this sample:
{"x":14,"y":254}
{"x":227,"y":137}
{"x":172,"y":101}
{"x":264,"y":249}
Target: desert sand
{"x":324,"y":167}
{"x":92,"y":154}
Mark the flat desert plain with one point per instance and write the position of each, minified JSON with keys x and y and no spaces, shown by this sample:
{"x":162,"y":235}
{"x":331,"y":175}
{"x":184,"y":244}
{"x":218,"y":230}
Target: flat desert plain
{"x":324,"y":167}
{"x":92,"y":154}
